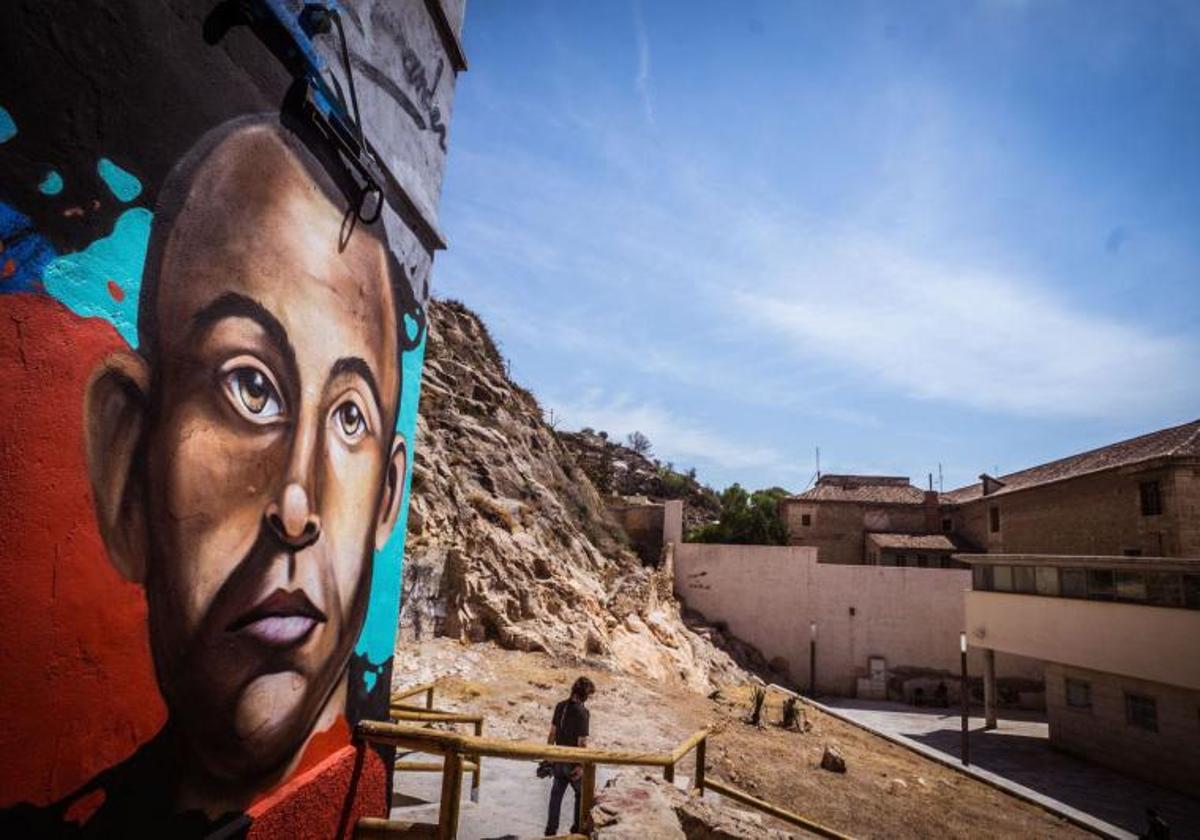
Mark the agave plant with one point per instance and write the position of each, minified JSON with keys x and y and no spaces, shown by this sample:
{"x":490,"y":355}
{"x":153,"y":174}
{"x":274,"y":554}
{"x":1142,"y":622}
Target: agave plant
{"x":758,"y":700}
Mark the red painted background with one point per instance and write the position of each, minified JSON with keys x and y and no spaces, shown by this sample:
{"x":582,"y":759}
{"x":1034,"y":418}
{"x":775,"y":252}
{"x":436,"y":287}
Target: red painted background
{"x":78,"y":693}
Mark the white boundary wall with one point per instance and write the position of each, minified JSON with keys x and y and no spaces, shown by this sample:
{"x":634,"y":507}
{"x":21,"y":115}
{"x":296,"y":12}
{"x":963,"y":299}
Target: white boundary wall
{"x":768,"y":595}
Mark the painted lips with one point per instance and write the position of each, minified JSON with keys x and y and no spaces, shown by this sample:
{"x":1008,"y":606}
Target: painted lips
{"x":282,"y":619}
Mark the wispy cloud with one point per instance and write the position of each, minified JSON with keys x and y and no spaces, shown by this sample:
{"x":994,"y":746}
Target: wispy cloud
{"x":641,"y":82}
{"x":970,"y":335}
{"x":674,"y":438}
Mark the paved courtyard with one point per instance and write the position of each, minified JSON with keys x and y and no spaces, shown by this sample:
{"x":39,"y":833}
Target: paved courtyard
{"x":1019,"y":750}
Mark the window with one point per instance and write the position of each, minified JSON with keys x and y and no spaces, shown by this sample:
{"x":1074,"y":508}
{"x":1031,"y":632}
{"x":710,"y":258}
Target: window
{"x":806,"y":519}
{"x":1079,"y":694}
{"x":1100,"y":584}
{"x":1141,"y":711}
{"x":947,"y":525}
{"x":1047,"y":580}
{"x":1132,"y":552}
{"x":1074,"y":583}
{"x":981,"y":578}
{"x":1191,"y":591}
{"x":921,"y":561}
{"x":901,"y":560}
{"x":1164,"y":589}
{"x":1131,"y":586}
{"x":994,"y":519}
{"x":1024,"y":579}
{"x":1002,"y":578}
{"x":1151,"y":498}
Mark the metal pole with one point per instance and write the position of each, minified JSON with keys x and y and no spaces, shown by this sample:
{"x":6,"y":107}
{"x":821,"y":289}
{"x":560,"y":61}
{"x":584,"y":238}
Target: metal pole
{"x":966,"y":701}
{"x":812,"y":659}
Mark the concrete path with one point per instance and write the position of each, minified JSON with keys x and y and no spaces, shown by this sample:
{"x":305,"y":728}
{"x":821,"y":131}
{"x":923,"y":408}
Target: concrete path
{"x":512,"y":800}
{"x":1019,"y":751}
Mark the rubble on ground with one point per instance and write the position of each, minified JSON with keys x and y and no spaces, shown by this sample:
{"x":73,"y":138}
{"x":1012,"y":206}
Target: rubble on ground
{"x":637,"y":805}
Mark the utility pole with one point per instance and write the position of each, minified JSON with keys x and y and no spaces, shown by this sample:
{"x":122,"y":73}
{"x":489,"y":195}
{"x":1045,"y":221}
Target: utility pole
{"x":966,"y":702}
{"x":818,"y":463}
{"x":812,"y":659}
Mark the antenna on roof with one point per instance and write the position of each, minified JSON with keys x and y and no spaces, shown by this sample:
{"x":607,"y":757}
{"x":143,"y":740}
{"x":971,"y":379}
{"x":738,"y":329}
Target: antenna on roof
{"x":931,"y":481}
{"x":818,"y":463}
{"x":940,"y":489}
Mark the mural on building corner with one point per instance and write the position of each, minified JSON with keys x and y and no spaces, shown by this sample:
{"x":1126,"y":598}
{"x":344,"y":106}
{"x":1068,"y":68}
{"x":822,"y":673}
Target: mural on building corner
{"x":210,"y":373}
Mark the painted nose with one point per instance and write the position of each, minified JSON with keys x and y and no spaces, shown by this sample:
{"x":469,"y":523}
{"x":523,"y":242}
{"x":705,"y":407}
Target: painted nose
{"x":292,"y":518}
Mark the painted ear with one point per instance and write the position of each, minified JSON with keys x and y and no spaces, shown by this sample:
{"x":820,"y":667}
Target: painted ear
{"x":393,"y":491}
{"x":114,"y":417}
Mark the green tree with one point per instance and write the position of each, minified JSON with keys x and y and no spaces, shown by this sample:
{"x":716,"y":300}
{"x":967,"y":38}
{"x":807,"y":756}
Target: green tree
{"x":746,"y":518}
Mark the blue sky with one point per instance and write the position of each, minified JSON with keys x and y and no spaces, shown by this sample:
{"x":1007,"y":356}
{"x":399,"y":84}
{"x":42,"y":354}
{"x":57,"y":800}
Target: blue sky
{"x":908,"y":234}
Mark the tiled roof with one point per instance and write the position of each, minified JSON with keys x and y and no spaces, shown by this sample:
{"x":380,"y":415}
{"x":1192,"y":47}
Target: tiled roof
{"x":879,"y":489}
{"x":1177,"y":441}
{"x":925,"y":542}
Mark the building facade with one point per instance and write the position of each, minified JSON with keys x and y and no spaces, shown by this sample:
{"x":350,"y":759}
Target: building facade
{"x":838,"y":514}
{"x":1120,"y":639}
{"x":1138,"y":497}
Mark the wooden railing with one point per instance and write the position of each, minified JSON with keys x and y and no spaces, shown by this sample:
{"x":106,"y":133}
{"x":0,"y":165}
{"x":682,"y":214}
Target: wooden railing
{"x":461,"y":753}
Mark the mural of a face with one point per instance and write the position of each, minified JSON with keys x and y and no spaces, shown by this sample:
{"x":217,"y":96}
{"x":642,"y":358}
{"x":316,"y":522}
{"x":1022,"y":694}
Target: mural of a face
{"x":245,"y":468}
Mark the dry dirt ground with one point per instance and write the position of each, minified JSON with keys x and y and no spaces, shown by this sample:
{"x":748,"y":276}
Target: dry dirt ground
{"x":887,"y":791}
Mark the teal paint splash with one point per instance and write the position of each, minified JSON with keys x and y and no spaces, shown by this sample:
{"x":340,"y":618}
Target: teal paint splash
{"x":104,"y":279}
{"x":52,"y":184}
{"x":8,"y":128}
{"x":378,"y":638}
{"x":122,"y":184}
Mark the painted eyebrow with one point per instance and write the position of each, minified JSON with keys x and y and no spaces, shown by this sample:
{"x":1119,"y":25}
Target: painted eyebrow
{"x":356,"y":365}
{"x":233,"y":305}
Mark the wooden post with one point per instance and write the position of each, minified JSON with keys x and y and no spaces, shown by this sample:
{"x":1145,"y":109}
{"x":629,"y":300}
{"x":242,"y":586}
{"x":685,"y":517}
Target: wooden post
{"x":700,"y":750}
{"x":429,"y":698}
{"x":478,"y":765}
{"x":669,"y":772}
{"x":451,"y":793}
{"x":587,"y":797}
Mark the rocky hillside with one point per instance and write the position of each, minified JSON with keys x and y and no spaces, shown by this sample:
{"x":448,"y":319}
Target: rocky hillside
{"x":508,"y":539}
{"x":616,"y":468}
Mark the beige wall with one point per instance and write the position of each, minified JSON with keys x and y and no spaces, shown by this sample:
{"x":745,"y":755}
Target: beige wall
{"x":672,"y":527}
{"x":1159,"y":644}
{"x":1101,"y":733}
{"x":767,"y":595}
{"x":1097,"y":514}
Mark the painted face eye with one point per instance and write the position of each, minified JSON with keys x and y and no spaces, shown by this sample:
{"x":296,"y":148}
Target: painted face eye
{"x":253,"y":394}
{"x":350,"y":421}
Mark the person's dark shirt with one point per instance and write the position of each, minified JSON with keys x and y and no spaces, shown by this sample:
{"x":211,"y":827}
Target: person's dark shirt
{"x":571,"y":720}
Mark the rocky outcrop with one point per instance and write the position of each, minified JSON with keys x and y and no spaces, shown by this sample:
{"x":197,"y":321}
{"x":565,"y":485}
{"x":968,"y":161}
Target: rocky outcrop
{"x":633,"y":806}
{"x":617,"y":469}
{"x":508,"y":540}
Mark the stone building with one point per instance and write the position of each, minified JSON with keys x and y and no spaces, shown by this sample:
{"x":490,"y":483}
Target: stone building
{"x":869,"y":519}
{"x":1137,"y":497}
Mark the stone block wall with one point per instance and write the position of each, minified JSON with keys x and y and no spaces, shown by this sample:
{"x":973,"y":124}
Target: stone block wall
{"x":1101,"y":732}
{"x":1097,"y":514}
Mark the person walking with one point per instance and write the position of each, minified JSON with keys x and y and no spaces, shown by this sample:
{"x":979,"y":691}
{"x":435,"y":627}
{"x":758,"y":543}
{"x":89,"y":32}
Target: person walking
{"x":569,"y":728}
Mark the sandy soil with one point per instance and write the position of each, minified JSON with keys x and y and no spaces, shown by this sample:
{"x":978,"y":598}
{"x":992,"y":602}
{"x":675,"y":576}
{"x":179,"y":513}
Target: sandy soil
{"x":887,"y":791}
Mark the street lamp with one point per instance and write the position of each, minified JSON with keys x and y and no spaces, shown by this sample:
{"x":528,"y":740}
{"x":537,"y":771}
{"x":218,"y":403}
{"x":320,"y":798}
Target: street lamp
{"x":966,"y":699}
{"x":812,"y":659}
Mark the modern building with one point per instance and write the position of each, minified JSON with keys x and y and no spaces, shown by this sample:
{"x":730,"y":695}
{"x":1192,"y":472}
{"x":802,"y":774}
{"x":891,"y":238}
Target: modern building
{"x":1120,"y":641}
